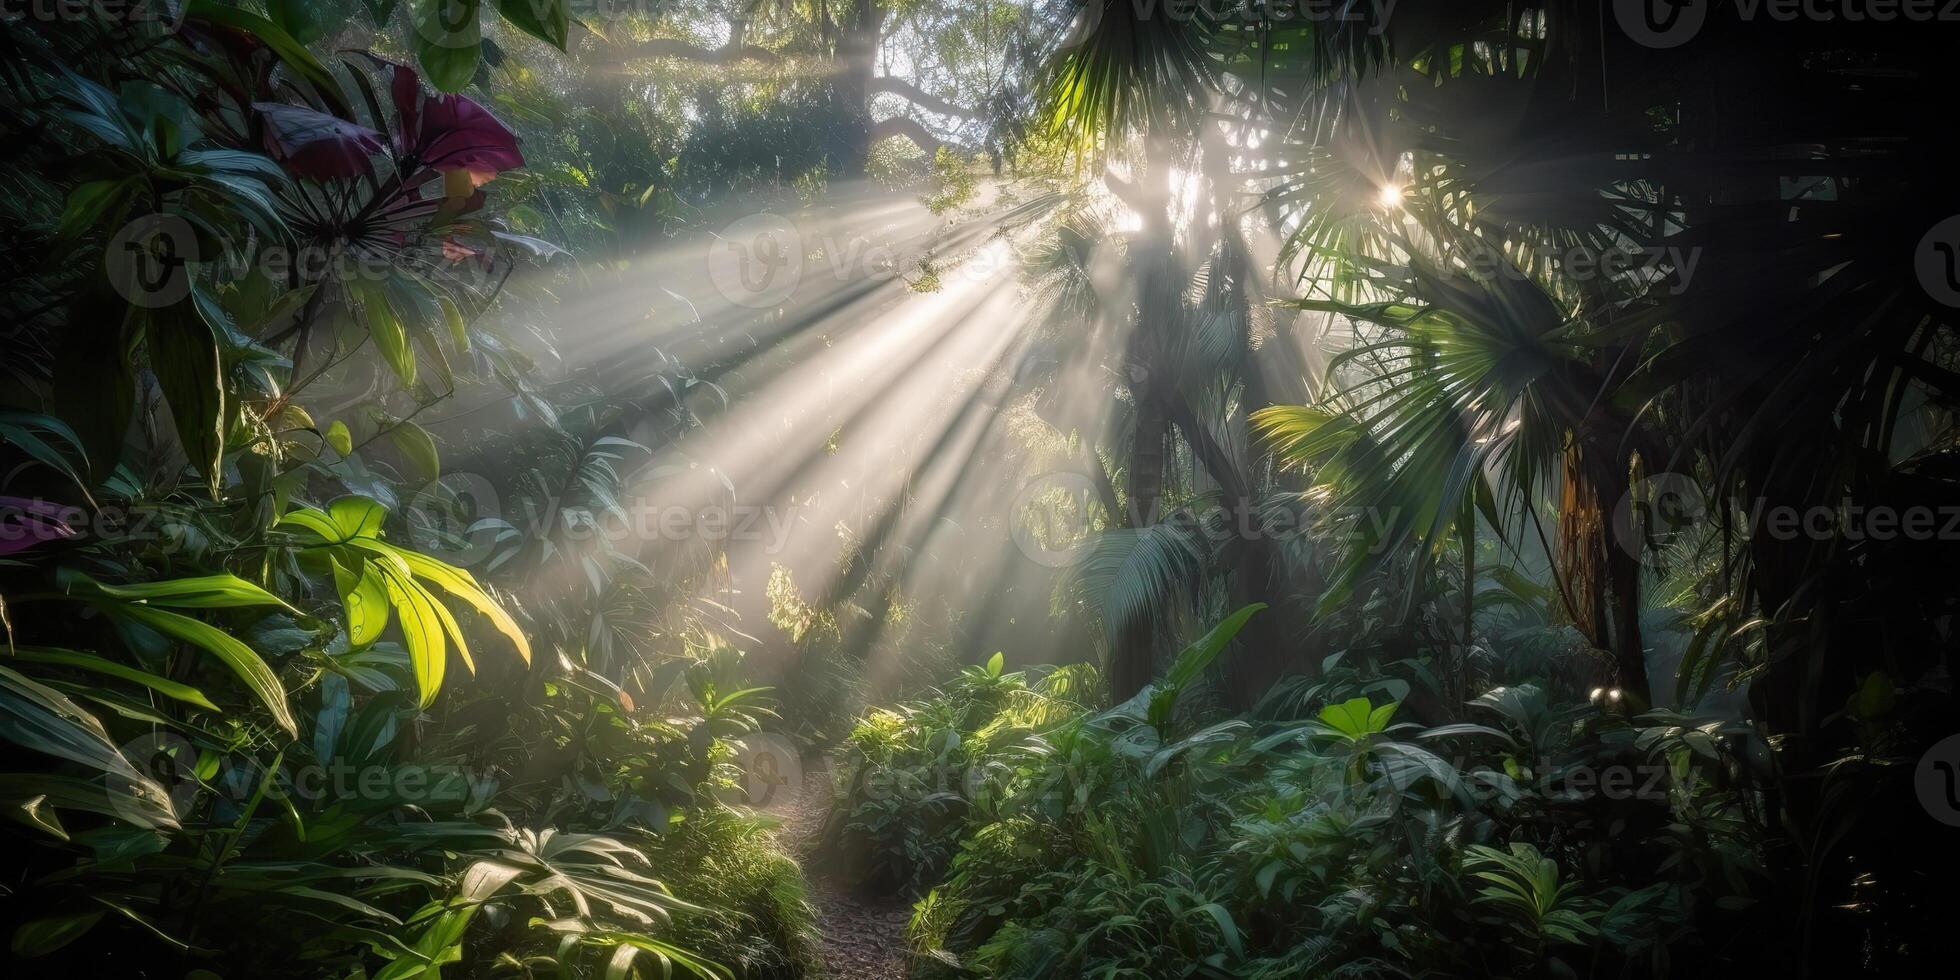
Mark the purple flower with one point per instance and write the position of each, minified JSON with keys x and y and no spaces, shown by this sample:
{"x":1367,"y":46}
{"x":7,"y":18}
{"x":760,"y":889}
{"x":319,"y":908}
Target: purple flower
{"x":313,"y":144}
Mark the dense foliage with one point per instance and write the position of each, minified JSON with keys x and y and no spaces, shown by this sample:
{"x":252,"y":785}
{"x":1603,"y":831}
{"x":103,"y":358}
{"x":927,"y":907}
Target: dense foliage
{"x":1483,"y":473}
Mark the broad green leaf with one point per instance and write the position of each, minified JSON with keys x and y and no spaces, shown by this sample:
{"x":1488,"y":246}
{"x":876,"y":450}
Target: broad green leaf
{"x":340,"y":439}
{"x":364,"y":600}
{"x":88,"y":661}
{"x":43,"y":936}
{"x":546,"y":20}
{"x":246,"y":664}
{"x":357,"y":517}
{"x":38,"y":717}
{"x":462,"y":585}
{"x":93,"y":203}
{"x":996,"y":663}
{"x":305,"y":20}
{"x":1199,"y":655}
{"x":483,"y":880}
{"x":452,"y":316}
{"x":422,"y":634}
{"x":419,"y":449}
{"x":447,"y":41}
{"x":190,"y":369}
{"x":386,"y":329}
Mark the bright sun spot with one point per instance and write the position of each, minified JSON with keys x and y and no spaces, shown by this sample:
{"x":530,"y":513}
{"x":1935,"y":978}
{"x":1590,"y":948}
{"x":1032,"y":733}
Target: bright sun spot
{"x":1390,"y":196}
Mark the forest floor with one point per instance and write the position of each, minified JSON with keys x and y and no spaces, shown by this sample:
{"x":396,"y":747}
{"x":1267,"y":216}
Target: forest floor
{"x":863,"y":936}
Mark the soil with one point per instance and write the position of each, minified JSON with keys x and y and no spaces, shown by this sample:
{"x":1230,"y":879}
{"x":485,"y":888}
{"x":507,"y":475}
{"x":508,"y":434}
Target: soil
{"x":863,"y":935}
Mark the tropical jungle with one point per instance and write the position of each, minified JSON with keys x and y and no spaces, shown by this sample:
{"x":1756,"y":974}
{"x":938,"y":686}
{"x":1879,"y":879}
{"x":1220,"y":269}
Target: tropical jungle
{"x":1145,"y":489}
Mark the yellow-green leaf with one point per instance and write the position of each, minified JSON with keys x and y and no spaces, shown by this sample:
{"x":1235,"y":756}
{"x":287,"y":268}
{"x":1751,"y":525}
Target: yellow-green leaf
{"x":241,"y":659}
{"x":102,"y":665}
{"x":452,"y":316}
{"x":364,"y":600}
{"x":462,"y":585}
{"x":340,"y":439}
{"x":422,"y":633}
{"x":389,"y":334}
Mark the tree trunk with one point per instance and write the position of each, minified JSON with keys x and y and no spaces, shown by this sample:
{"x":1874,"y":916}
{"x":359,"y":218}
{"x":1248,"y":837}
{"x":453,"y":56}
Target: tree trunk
{"x":857,"y":65}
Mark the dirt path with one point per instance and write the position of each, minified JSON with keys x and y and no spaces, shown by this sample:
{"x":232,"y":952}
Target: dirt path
{"x":863,"y":938}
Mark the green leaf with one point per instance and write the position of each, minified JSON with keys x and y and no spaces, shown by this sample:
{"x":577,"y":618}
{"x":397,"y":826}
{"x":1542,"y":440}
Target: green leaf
{"x":364,"y":599}
{"x":1196,"y":657}
{"x":23,"y":431}
{"x":386,"y":329}
{"x":418,"y":448}
{"x":43,"y":936}
{"x":546,"y":20}
{"x":448,"y":41}
{"x":463,"y":585}
{"x":101,"y":665}
{"x":996,"y":663}
{"x":184,"y":355}
{"x":356,"y":517}
{"x":220,"y":591}
{"x":340,"y":439}
{"x":243,"y":662}
{"x":303,"y":19}
{"x":422,"y":633}
{"x":452,"y":316}
{"x":93,"y":203}
{"x":290,"y":51}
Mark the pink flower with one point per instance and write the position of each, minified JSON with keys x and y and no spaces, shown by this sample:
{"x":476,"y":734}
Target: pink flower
{"x":447,"y":132}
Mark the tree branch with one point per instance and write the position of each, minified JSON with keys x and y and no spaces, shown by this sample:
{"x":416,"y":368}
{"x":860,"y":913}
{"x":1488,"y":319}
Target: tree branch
{"x":667,"y":47}
{"x":919,"y":97}
{"x":906,"y":127}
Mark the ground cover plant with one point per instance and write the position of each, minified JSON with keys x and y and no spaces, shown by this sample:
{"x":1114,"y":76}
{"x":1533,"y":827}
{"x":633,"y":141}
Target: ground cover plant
{"x":1015,"y":488}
